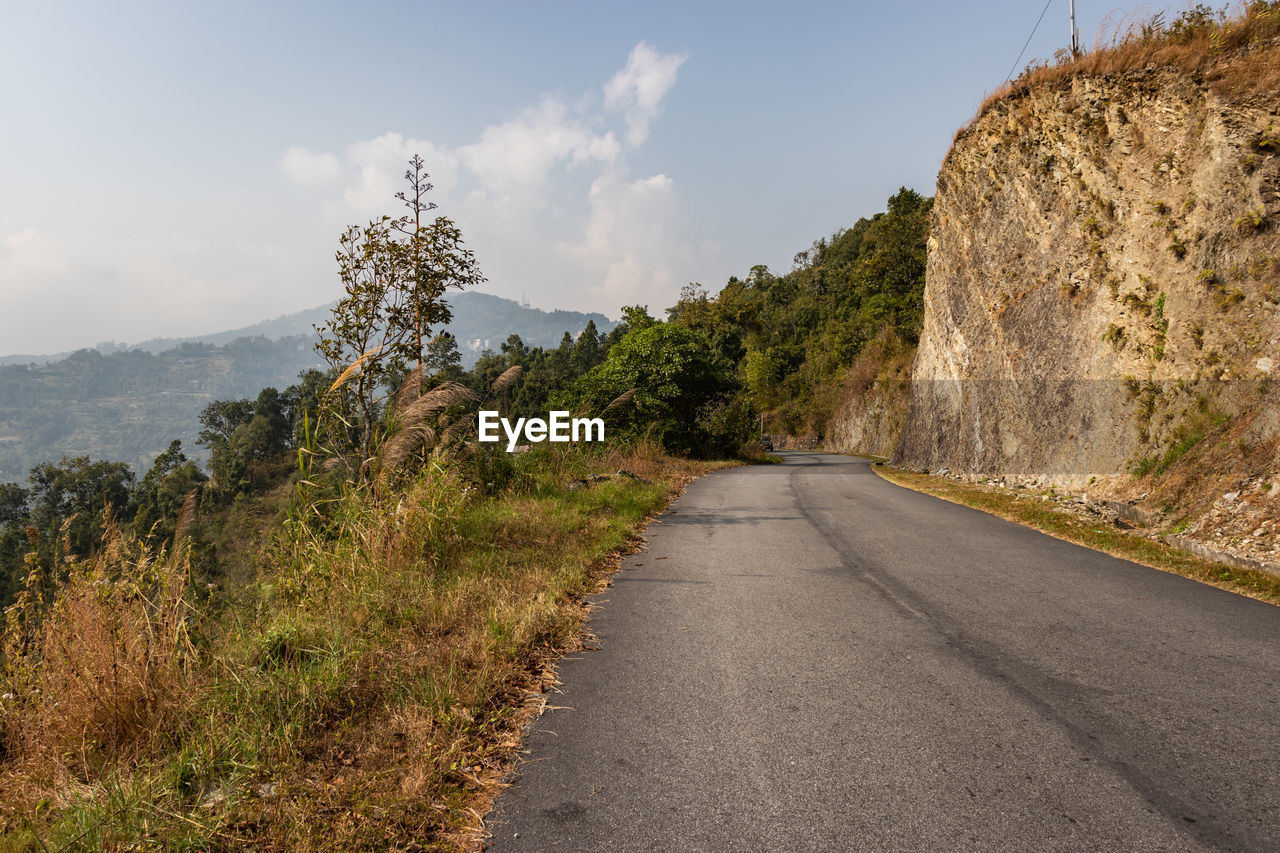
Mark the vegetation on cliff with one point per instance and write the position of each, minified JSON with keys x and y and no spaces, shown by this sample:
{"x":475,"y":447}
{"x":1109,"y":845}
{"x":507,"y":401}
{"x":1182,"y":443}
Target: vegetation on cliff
{"x":1234,"y":55}
{"x":1101,"y":310}
{"x":794,"y":337}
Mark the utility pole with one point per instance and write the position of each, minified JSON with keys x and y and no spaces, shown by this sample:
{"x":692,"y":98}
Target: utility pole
{"x":1075,"y":34}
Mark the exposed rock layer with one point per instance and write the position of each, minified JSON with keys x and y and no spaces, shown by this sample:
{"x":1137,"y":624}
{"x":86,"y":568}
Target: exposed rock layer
{"x":1103,"y":270}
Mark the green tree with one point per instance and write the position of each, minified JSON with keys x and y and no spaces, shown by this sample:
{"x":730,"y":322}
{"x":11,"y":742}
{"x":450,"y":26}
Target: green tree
{"x":515,"y":349}
{"x":241,"y":433}
{"x":442,"y":356}
{"x":14,"y":511}
{"x":793,"y":337}
{"x":162,"y":491}
{"x":76,"y":491}
{"x":272,"y":407}
{"x":13,"y":505}
{"x":302,"y":401}
{"x":220,"y":419}
{"x":675,"y":378}
{"x":395,"y":273}
{"x":586,"y":352}
{"x":636,"y":317}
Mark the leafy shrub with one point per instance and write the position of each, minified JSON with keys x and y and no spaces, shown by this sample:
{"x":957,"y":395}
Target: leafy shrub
{"x":672,"y":377}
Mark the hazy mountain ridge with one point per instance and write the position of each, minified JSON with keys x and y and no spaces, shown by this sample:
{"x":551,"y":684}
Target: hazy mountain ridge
{"x":477,"y":317}
{"x":127,"y":403}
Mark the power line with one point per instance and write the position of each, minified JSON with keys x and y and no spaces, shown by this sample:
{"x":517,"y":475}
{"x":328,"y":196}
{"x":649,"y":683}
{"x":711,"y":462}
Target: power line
{"x":1009,"y":76}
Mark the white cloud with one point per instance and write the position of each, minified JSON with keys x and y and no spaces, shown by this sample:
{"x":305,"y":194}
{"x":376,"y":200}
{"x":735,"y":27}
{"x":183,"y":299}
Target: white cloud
{"x":163,"y":279}
{"x":523,"y":152}
{"x":638,"y":89}
{"x":544,"y":196}
{"x":635,"y":248}
{"x":376,"y":169}
{"x":309,"y":169}
{"x":29,"y":252}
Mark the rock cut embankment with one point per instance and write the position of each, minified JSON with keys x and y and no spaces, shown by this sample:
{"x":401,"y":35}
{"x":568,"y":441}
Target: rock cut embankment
{"x":1102,"y":284}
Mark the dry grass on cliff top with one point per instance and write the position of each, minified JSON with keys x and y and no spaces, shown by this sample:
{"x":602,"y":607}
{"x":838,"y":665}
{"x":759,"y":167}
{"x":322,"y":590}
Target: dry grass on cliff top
{"x":1028,"y":510}
{"x":1236,"y":55}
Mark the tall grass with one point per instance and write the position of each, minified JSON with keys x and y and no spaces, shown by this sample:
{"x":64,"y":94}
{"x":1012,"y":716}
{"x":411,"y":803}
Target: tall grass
{"x":92,"y":675}
{"x":367,"y":693}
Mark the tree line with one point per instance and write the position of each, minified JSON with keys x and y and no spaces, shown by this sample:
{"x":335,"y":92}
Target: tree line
{"x":793,"y":337}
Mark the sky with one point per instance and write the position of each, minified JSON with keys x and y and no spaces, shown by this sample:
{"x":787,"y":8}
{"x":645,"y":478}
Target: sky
{"x":175,"y":169}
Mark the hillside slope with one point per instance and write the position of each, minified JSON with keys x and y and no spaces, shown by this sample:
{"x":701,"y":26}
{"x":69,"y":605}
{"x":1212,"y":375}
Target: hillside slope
{"x":128,"y":404}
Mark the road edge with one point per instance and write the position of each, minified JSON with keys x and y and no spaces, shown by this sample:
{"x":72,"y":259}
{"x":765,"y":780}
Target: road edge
{"x":1113,"y":541}
{"x":533,"y":702}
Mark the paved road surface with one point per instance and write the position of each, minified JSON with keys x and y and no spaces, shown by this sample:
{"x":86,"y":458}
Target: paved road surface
{"x":810,"y":658}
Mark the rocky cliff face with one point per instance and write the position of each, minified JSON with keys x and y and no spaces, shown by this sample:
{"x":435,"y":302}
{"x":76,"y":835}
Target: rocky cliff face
{"x":1102,"y":286}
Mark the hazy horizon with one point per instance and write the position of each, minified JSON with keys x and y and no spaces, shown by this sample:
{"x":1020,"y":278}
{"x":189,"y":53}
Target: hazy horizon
{"x":175,"y":171}
{"x":258,"y":321}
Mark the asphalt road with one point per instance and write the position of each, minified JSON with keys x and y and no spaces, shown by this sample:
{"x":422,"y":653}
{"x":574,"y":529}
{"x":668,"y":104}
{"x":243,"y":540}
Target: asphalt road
{"x":810,"y":658}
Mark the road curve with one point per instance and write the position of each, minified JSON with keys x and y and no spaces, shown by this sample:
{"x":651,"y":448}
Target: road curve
{"x":810,"y":658}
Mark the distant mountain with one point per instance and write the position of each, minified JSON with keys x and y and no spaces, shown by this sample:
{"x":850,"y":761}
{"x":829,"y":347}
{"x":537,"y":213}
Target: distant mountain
{"x":300,"y":323}
{"x":480,"y":321}
{"x":483,"y":321}
{"x":127,"y":403}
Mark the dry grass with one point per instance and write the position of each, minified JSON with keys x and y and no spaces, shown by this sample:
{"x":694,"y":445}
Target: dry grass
{"x":506,"y":380}
{"x":1237,"y":56}
{"x":354,"y":368}
{"x":1027,"y":510}
{"x":415,"y":427}
{"x":368,"y":697}
{"x":95,"y":675}
{"x":438,"y":421}
{"x":621,"y":400}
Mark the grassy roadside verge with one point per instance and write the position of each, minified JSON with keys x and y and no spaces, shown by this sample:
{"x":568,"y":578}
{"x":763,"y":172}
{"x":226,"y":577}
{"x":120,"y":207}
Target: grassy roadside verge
{"x":368,"y":698}
{"x":1025,"y":510}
